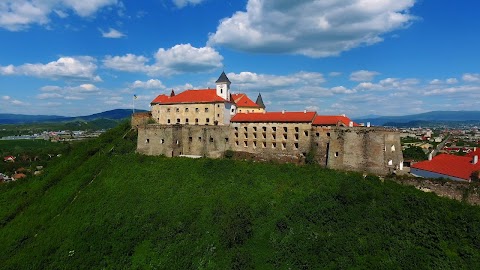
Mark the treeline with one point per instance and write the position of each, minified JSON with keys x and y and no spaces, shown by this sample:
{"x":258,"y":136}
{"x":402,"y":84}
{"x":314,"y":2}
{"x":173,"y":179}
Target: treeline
{"x":106,"y":207}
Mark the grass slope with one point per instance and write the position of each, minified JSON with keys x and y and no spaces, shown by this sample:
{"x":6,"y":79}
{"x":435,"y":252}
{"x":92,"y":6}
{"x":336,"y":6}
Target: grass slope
{"x":103,"y":207}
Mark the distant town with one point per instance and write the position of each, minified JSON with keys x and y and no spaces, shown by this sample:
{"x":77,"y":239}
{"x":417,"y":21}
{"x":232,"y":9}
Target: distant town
{"x":58,"y":136}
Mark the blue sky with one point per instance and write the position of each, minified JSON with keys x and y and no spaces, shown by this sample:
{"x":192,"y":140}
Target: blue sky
{"x":354,"y":57}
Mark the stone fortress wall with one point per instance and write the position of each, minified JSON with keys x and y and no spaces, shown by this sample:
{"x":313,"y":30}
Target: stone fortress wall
{"x":365,"y":149}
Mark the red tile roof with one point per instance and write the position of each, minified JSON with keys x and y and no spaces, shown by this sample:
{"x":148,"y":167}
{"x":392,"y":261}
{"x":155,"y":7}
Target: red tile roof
{"x":450,"y":165}
{"x":278,"y":117}
{"x":473,"y":153}
{"x":332,"y":120}
{"x":160,"y":99}
{"x":190,"y":96}
{"x":242,"y":100}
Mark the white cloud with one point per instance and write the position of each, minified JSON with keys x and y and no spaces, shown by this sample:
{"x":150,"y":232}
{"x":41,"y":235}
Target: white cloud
{"x":6,"y":97}
{"x":363,"y":76}
{"x":251,"y":80}
{"x":334,"y":74}
{"x":452,"y":81}
{"x":183,"y":3}
{"x":68,"y":92}
{"x":49,"y":96}
{"x":181,"y":58}
{"x":311,"y":27}
{"x":112,"y":33}
{"x":150,"y":84}
{"x":342,"y":90}
{"x":471,"y":77}
{"x":76,"y":68}
{"x":447,"y":81}
{"x":129,"y":62}
{"x":18,"y":15}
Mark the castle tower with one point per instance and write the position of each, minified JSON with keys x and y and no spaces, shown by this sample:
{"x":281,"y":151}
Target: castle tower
{"x":260,"y":101}
{"x":223,"y":86}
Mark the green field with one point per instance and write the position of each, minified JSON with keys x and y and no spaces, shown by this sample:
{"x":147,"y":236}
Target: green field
{"x":103,"y":206}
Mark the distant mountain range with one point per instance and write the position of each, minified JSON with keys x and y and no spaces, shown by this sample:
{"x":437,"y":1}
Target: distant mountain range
{"x":377,"y":120}
{"x":434,"y":116}
{"x":116,"y":114}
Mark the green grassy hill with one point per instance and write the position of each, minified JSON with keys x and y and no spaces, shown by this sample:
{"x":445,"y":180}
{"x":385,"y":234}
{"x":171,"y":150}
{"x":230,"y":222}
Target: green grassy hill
{"x":102,"y":206}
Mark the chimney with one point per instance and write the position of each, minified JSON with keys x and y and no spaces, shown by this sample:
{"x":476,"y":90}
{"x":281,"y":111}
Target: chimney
{"x":283,"y":111}
{"x":368,"y":124}
{"x":304,"y":111}
{"x":475,"y":159}
{"x":430,"y":155}
{"x":350,"y":124}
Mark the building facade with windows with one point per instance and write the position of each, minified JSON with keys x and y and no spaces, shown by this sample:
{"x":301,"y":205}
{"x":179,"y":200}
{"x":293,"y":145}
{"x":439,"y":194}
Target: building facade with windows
{"x":208,"y":123}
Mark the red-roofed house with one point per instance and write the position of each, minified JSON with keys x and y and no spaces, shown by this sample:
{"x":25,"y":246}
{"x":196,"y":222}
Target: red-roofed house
{"x":448,"y":166}
{"x":275,"y":117}
{"x":246,"y":105}
{"x":334,"y":120}
{"x":201,"y":107}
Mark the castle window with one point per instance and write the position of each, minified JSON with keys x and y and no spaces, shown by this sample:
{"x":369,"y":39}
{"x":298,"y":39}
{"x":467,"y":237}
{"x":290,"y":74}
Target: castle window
{"x":196,"y":121}
{"x":236,"y":143}
{"x":245,"y":144}
{"x":221,"y":91}
{"x":226,"y":139}
{"x":211,"y":139}
{"x":218,"y":115}
{"x":274,"y":129}
{"x":177,"y":142}
{"x":274,"y":145}
{"x":236,"y":135}
{"x":317,"y":134}
{"x":264,"y":135}
{"x":254,"y":128}
{"x":158,"y":119}
{"x":233,"y":110}
{"x":264,"y":128}
{"x":178,"y":120}
{"x":236,"y":128}
{"x":200,"y":138}
{"x":186,"y":120}
{"x":162,"y":141}
{"x":168,"y":121}
{"x":218,"y":106}
{"x":168,"y":109}
{"x":207,"y":120}
{"x":336,"y":154}
{"x":295,"y":145}
{"x":177,"y":109}
{"x":197,"y":110}
{"x":147,"y":141}
{"x":393,"y":148}
{"x":206,"y":109}
{"x":328,"y":134}
{"x":255,"y":135}
{"x":390,"y":162}
{"x":285,"y":136}
{"x":246,"y":128}
{"x":296,"y":137}
{"x":306,"y":133}
{"x":273,"y":136}
{"x":190,"y":139}
{"x":246,"y":135}
{"x":296,"y":129}
{"x":264,"y":144}
{"x":284,"y":146}
{"x":285,"y":129}
{"x":186,"y":109}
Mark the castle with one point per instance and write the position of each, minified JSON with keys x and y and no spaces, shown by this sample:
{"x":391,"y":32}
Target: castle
{"x":210,"y":122}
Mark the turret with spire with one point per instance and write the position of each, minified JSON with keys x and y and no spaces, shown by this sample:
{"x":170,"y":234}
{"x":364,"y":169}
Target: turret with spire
{"x":260,"y":101}
{"x":223,"y":86}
